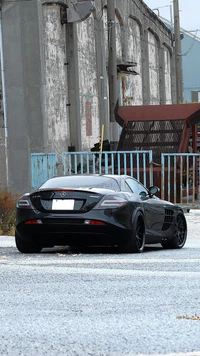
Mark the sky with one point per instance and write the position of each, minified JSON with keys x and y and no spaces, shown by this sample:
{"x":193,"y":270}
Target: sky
{"x":189,"y":12}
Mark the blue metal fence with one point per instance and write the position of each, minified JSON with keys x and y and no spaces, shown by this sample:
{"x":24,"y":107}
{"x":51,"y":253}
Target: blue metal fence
{"x":178,"y":176}
{"x":43,"y":167}
{"x":134,"y":163}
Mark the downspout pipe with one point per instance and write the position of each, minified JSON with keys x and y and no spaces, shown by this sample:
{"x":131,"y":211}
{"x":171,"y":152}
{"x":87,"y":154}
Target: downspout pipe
{"x":4,"y":98}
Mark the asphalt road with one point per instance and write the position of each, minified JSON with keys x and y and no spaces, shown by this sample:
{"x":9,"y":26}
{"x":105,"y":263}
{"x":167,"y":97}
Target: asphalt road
{"x":99,"y":303}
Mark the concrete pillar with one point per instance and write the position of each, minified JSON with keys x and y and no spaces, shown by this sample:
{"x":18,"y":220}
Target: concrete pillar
{"x":34,"y":45}
{"x":162,"y":75}
{"x":56,"y":101}
{"x":73,"y":84}
{"x":3,"y":148}
{"x":145,"y":67}
{"x":173,"y":79}
{"x":102,"y":78}
{"x":21,"y":49}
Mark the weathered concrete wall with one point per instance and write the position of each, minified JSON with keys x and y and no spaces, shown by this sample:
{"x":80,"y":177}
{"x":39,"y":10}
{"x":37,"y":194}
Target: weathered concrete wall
{"x":134,"y":54}
{"x":56,"y":76}
{"x":21,"y":53}
{"x":56,"y":112}
{"x":140,"y":38}
{"x":153,"y":69}
{"x":167,"y":75}
{"x":34,"y":50}
{"x":88,"y":89}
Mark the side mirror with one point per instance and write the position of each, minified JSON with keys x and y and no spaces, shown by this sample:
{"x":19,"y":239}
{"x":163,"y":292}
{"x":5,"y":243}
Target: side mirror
{"x":143,"y":194}
{"x":153,"y":190}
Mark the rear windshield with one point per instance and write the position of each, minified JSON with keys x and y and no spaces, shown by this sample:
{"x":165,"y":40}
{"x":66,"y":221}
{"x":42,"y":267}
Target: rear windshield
{"x":81,"y":182}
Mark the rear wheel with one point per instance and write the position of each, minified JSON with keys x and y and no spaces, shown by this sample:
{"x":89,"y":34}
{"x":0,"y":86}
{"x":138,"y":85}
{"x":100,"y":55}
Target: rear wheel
{"x":137,"y":240}
{"x":180,"y":233}
{"x":26,"y":247}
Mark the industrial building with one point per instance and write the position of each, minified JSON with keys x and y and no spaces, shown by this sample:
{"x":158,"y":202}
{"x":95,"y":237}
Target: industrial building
{"x":55,"y":75}
{"x":190,"y":52}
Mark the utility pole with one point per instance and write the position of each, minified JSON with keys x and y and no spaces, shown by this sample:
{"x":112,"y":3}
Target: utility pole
{"x":112,"y":66}
{"x":178,"y":57}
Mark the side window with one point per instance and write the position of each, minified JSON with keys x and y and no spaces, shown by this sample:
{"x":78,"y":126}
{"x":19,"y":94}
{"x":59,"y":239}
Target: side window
{"x":135,"y":186}
{"x":128,"y":189}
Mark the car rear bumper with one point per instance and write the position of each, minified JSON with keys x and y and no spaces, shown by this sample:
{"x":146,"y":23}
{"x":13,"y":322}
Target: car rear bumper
{"x":51,"y":233}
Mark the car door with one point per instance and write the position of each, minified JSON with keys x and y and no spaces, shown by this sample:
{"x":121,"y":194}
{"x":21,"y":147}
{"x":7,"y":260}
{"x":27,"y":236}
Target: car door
{"x":153,"y":208}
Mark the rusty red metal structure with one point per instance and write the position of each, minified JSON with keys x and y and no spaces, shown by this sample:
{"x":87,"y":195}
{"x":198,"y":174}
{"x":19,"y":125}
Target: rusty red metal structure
{"x":160,"y":128}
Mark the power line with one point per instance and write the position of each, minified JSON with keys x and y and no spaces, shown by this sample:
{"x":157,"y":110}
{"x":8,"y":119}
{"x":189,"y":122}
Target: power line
{"x":150,"y":18}
{"x":191,"y":46}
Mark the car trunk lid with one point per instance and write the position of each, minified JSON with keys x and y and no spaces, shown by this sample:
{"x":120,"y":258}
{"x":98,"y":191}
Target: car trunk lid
{"x":62,"y":200}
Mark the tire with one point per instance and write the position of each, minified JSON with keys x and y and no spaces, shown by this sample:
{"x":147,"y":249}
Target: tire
{"x":137,"y":240}
{"x":26,"y":247}
{"x":180,"y":234}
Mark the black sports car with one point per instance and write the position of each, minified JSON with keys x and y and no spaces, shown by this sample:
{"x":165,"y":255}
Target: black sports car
{"x":101,"y":210}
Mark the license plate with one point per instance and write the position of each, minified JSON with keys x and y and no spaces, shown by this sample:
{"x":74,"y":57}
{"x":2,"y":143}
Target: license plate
{"x":63,"y":204}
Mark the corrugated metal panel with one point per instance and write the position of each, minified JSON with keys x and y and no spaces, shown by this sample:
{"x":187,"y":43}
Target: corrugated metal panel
{"x":190,"y":61}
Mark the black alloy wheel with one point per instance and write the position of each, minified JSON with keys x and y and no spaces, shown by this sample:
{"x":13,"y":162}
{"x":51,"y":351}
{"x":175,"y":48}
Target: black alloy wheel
{"x":139,"y":235}
{"x":137,"y":240}
{"x":26,"y":247}
{"x":180,"y":233}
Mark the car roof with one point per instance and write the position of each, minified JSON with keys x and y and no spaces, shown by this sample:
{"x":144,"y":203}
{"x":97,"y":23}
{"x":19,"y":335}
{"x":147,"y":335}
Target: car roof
{"x":115,"y":176}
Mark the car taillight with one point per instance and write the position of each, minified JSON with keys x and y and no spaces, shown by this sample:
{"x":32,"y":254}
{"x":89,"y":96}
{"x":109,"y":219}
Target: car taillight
{"x":94,"y":222}
{"x":24,"y":202}
{"x":33,"y":222}
{"x":111,"y":202}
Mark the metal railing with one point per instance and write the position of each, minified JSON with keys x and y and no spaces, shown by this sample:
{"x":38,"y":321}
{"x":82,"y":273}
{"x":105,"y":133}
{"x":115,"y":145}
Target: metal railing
{"x":180,"y":178}
{"x":134,"y":163}
{"x":178,"y":175}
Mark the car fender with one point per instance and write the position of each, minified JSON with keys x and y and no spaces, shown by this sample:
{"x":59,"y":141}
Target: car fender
{"x":135,"y":213}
